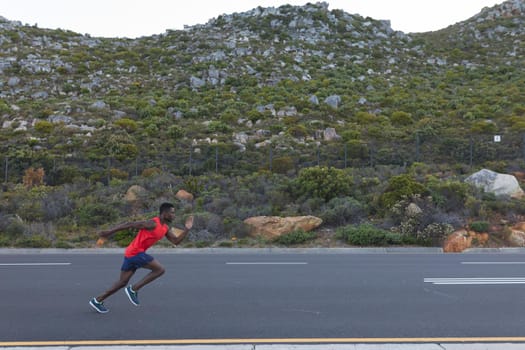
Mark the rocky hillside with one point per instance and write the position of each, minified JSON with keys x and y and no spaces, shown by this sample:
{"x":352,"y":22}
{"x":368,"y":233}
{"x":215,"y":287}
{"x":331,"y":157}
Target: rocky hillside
{"x":247,"y":104}
{"x":287,"y":78}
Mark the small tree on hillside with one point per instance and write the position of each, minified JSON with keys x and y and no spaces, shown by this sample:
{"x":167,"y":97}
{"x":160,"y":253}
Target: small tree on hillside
{"x":33,"y":177}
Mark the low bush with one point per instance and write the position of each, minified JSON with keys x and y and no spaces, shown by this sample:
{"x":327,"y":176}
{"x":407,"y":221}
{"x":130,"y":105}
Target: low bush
{"x":124,"y":238}
{"x":5,"y":241}
{"x":13,"y":228}
{"x":400,"y":187}
{"x":368,"y":235}
{"x":322,"y":182}
{"x":36,"y":241}
{"x":479,"y":226}
{"x":295,"y":237}
{"x":96,"y":214}
{"x":63,"y":245}
{"x":342,"y":211}
{"x":202,"y":244}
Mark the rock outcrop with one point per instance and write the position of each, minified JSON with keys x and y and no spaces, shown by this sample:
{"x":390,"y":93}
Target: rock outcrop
{"x":270,"y":227}
{"x":463,"y":239}
{"x":184,"y":195}
{"x":517,"y":234}
{"x":496,"y":183}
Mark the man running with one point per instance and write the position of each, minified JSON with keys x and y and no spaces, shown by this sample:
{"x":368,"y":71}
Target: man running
{"x":135,"y":257}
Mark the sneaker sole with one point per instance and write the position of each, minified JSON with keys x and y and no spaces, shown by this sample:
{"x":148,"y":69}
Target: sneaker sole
{"x":130,"y":298}
{"x":97,"y":309}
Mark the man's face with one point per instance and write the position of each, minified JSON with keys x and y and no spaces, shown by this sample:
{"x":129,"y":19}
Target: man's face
{"x":169,"y":214}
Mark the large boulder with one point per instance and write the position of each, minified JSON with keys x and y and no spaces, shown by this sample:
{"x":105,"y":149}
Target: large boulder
{"x":333,"y":101}
{"x":496,"y":183}
{"x":135,"y":193}
{"x":270,"y":227}
{"x":330,"y":134}
{"x":136,"y":197}
{"x":517,"y":234}
{"x":463,"y":239}
{"x":184,"y":195}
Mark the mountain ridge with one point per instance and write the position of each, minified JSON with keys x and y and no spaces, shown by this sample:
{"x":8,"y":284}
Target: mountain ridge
{"x":345,"y":62}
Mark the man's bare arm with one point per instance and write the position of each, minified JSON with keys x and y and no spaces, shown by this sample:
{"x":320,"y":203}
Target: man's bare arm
{"x":147,"y":224}
{"x":177,"y":239}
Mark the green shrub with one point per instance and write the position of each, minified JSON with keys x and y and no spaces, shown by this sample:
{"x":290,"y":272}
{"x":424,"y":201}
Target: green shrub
{"x":175,"y":132}
{"x":63,"y":245}
{"x":282,"y":165}
{"x":298,"y":130}
{"x":127,"y":124}
{"x":14,"y":228}
{"x":5,"y":241}
{"x":124,"y":237}
{"x":342,"y":211}
{"x":149,"y":172}
{"x":479,"y":226}
{"x":118,"y":174}
{"x":4,"y":107}
{"x":202,"y":244}
{"x":322,"y":182}
{"x":449,"y":195}
{"x":63,"y":174}
{"x":44,"y":127}
{"x":295,"y":237}
{"x":401,"y":118}
{"x":368,"y":235}
{"x":218,"y":126}
{"x":400,"y":187}
{"x":36,"y":241}
{"x":235,"y":227}
{"x":433,"y":234}
{"x":96,"y":214}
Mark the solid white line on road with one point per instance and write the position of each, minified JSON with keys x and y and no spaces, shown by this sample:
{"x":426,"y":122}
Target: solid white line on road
{"x":266,"y":263}
{"x":493,"y":262}
{"x":34,"y":264}
{"x":476,"y":281}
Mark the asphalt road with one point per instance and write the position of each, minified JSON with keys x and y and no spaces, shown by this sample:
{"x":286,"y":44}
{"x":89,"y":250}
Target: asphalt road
{"x":44,"y":297}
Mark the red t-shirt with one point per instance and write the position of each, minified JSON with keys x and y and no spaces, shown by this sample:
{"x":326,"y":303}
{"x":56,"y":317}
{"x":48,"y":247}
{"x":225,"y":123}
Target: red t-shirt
{"x":146,"y":238}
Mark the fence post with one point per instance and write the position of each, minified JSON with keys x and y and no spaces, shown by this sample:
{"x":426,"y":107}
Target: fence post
{"x":371,"y":154}
{"x":6,"y":169}
{"x":471,"y":151}
{"x":270,"y":158}
{"x":523,"y":145}
{"x":109,"y":170}
{"x":318,"y":155}
{"x":417,"y":146}
{"x":346,"y":155}
{"x":216,"y":159}
{"x":191,"y":159}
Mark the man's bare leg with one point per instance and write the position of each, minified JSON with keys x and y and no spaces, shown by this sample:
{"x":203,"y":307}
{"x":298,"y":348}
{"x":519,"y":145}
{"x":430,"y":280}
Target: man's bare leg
{"x":125,"y":276}
{"x":157,"y":270}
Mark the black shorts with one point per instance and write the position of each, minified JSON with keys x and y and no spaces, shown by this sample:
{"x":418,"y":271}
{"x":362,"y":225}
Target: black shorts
{"x":135,"y":262}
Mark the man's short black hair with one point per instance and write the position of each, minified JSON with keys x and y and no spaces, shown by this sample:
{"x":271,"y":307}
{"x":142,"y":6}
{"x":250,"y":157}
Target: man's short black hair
{"x":165,"y":206}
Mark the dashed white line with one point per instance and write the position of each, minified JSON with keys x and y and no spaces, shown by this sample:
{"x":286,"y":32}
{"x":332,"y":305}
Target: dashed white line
{"x":476,"y":281}
{"x":493,"y":262}
{"x":34,"y":264}
{"x":266,"y":263}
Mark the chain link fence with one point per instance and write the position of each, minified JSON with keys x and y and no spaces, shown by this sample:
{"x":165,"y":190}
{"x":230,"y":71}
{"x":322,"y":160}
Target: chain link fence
{"x":229,"y":159}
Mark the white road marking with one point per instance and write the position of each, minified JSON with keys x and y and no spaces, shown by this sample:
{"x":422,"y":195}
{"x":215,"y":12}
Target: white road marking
{"x":34,"y":264}
{"x":476,"y":280}
{"x":266,"y":263}
{"x":493,"y":262}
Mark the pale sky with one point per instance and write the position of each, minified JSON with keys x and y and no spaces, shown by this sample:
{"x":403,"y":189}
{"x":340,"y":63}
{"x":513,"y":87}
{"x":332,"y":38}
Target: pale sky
{"x":135,"y":18}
